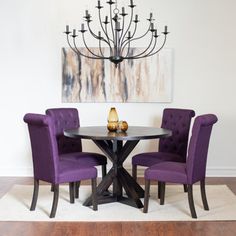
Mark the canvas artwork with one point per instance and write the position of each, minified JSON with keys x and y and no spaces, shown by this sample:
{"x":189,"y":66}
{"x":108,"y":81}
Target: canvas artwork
{"x":141,"y":80}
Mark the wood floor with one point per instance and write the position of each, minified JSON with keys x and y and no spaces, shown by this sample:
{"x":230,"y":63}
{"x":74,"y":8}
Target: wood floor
{"x":181,"y":228}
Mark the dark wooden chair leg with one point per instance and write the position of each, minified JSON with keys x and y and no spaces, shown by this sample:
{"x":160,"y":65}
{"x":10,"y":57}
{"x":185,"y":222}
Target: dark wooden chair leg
{"x":35,"y":195}
{"x":77,"y":185}
{"x":203,"y":194}
{"x":52,"y":187}
{"x":146,"y":195}
{"x":185,"y":188}
{"x":159,"y":189}
{"x":72,"y":192}
{"x":191,"y":202}
{"x":104,"y":170}
{"x":162,"y":194}
{"x":94,"y":194}
{"x":134,"y":172}
{"x":55,"y":201}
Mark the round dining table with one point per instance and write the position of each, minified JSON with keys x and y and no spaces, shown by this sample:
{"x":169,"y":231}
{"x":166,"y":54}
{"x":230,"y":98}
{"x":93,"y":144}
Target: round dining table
{"x":117,"y":146}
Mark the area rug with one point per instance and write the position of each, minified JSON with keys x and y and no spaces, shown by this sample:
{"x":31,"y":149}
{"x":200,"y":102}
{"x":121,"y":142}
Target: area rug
{"x":14,"y":206}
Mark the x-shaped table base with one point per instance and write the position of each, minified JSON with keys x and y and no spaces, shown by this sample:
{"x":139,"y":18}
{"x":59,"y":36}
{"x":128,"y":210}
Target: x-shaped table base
{"x":118,"y":176}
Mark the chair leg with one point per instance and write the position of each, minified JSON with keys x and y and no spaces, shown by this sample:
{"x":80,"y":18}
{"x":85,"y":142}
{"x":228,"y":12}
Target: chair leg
{"x":134,"y":172}
{"x":52,"y":188}
{"x":94,"y":194}
{"x":146,"y":195}
{"x":104,"y":170}
{"x":203,"y":194}
{"x":55,"y":201}
{"x":185,"y":188}
{"x":72,"y":192}
{"x":190,"y":201}
{"x":162,"y":193}
{"x":35,"y":195}
{"x":159,"y":190}
{"x":77,"y":185}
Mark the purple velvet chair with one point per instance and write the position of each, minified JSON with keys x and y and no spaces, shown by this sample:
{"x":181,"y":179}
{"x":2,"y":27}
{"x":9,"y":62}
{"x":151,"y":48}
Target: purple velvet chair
{"x":49,"y":166}
{"x":68,"y":118}
{"x":173,"y":148}
{"x":192,"y":171}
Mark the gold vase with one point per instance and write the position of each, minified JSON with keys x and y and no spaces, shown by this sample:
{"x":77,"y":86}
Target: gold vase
{"x":123,"y":125}
{"x":112,"y":126}
{"x":113,"y":116}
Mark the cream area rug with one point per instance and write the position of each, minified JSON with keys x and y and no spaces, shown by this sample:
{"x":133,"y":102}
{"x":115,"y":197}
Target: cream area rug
{"x":14,"y":206}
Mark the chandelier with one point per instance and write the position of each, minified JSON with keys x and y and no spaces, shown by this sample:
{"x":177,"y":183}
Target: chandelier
{"x":118,"y":33}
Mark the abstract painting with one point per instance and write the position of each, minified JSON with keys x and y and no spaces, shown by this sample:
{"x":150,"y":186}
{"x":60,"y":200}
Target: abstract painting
{"x":141,"y":80}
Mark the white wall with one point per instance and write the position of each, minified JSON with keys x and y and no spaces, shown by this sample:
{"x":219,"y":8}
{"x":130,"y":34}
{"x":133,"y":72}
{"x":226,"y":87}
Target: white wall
{"x":203,"y":36}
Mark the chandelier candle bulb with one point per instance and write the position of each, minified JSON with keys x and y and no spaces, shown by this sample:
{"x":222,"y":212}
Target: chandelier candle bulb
{"x":136,"y":17}
{"x":131,"y":2}
{"x":156,"y":35}
{"x":82,"y":26}
{"x":152,"y":26}
{"x":67,"y":29}
{"x":99,"y":4}
{"x":106,"y":19}
{"x":74,"y":32}
{"x":166,"y":29}
{"x":123,"y":10}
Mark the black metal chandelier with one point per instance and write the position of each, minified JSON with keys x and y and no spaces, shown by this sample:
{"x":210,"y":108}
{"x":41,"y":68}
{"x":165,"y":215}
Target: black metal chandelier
{"x":115,"y":35}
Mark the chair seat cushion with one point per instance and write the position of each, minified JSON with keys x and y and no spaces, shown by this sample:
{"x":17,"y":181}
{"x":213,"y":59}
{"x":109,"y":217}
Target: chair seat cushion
{"x":85,"y":158}
{"x":69,"y":171}
{"x":151,"y":158}
{"x":174,"y":172}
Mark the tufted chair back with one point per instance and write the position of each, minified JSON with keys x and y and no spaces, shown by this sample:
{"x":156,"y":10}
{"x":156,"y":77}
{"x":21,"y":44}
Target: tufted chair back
{"x":198,"y":147}
{"x":43,"y":146}
{"x":178,"y":121}
{"x":65,"y":118}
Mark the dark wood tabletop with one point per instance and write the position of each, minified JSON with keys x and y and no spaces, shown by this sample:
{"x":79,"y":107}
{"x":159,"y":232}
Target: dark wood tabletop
{"x":102,"y":133}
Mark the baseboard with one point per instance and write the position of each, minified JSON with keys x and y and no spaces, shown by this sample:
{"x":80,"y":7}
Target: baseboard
{"x":24,"y":172}
{"x":221,"y":172}
{"x":19,"y":171}
{"x":210,"y":172}
{"x":28,"y":171}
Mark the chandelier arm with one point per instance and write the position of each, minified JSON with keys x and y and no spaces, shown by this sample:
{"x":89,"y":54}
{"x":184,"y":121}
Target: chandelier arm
{"x":95,"y":36}
{"x":80,"y":53}
{"x":91,"y":32}
{"x":113,"y":33}
{"x":135,"y":29}
{"x":148,"y":47}
{"x":104,"y":31}
{"x":131,"y":19}
{"x":150,"y":53}
{"x":128,"y":40}
{"x":123,"y":26}
{"x":134,"y":39}
{"x":85,"y":44}
{"x":108,"y":41}
{"x":100,"y":49}
{"x":159,"y":48}
{"x":127,"y":50}
{"x":153,"y":47}
{"x":73,"y":49}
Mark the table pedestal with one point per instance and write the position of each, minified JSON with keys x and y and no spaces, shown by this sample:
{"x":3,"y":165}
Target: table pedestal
{"x":117,"y":175}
